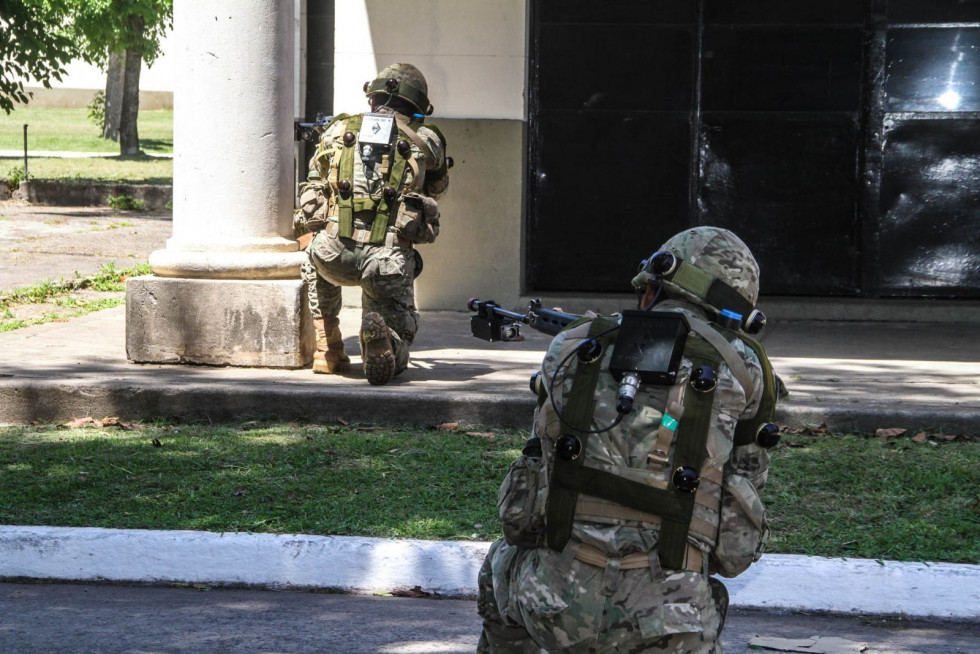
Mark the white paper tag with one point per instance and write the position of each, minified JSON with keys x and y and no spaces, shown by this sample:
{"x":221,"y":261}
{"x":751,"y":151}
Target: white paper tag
{"x":376,"y":129}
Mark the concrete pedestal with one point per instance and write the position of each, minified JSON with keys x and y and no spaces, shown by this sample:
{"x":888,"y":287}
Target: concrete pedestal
{"x":261,"y":323}
{"x":227,"y":288}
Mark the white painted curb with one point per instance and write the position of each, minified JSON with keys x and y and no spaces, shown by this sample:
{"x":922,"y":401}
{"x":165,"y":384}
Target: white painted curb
{"x":350,"y":564}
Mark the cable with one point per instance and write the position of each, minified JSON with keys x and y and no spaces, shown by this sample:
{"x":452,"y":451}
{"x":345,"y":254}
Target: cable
{"x":551,"y":387}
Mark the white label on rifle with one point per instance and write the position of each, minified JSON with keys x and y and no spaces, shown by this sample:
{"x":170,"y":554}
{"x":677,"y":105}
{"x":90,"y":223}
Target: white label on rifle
{"x":376,"y":129}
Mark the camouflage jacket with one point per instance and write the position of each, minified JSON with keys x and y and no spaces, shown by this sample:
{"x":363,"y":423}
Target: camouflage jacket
{"x":624,"y":449}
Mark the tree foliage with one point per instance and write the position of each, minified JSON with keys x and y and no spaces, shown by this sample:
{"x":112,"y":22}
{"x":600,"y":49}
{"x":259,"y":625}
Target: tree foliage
{"x":105,"y":26}
{"x":35,"y":43}
{"x":38,"y":37}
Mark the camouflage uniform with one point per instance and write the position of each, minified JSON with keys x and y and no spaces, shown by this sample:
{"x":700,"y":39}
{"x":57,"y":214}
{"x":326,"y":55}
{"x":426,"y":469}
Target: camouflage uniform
{"x":606,"y":591}
{"x":385,"y":271}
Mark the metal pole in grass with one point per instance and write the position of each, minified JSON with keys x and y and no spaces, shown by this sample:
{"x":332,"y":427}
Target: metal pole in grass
{"x":25,"y":152}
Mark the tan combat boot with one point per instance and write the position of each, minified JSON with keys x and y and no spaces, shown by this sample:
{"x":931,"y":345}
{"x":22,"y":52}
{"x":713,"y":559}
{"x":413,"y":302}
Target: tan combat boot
{"x":329,"y":357}
{"x":379,"y":359}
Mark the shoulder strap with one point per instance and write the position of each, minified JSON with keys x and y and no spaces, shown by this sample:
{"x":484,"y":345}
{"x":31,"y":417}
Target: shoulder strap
{"x":725,"y":349}
{"x":578,"y":410}
{"x":403,"y":125}
{"x":345,"y":203}
{"x":746,"y":430}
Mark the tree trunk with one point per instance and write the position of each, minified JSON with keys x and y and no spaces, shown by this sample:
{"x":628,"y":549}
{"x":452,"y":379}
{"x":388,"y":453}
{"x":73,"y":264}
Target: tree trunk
{"x":114,"y":83}
{"x":129,"y":140}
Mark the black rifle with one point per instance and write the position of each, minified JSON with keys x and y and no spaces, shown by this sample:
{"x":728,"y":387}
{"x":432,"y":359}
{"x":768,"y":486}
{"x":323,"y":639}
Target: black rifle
{"x":492,"y":323}
{"x":310,"y":132}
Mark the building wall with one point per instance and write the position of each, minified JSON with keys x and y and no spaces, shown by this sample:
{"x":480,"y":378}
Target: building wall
{"x":473,"y":56}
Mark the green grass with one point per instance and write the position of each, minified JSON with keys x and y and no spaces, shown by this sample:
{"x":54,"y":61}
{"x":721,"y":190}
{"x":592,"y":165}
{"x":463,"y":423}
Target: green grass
{"x":868,"y":497}
{"x":59,"y":296}
{"x":133,"y":169}
{"x":283,"y":479}
{"x":71,"y":130}
{"x":828,"y":495}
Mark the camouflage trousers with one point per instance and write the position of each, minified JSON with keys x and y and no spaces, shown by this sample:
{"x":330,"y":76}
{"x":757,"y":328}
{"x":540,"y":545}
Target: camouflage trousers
{"x":385,"y":274}
{"x":533,"y":599}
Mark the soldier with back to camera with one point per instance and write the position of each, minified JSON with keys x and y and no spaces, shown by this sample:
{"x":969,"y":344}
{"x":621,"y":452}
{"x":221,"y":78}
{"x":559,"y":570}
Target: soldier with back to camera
{"x":641,"y":477}
{"x":370,"y":197}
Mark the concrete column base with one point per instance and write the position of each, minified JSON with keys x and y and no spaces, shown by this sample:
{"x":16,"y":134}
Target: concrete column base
{"x":219,"y":322}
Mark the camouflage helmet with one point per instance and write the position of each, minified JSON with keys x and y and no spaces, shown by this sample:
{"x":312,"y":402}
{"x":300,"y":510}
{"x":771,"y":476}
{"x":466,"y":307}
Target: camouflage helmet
{"x":403,"y":81}
{"x":712,"y":250}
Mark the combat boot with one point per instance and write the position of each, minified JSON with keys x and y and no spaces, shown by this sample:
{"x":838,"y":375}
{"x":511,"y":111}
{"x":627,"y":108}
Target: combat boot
{"x":329,"y":357}
{"x":379,"y":359}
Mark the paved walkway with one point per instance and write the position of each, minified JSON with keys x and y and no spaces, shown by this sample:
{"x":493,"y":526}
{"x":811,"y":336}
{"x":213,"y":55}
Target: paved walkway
{"x":72,"y":155}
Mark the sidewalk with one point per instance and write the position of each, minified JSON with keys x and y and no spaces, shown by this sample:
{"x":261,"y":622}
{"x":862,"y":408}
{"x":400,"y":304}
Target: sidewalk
{"x":847,"y":375}
{"x":71,"y":155}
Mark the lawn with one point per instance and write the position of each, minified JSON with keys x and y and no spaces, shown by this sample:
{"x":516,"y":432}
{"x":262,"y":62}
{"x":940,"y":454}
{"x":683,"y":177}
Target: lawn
{"x":71,"y":130}
{"x":132,"y":169}
{"x":828,"y":494}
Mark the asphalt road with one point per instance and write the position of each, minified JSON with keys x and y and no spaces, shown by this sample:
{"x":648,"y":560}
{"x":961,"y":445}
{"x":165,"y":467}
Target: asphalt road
{"x":83,"y":619}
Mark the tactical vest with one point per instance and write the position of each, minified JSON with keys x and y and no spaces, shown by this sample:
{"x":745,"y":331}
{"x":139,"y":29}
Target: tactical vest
{"x":404,"y":149}
{"x":652,"y":495}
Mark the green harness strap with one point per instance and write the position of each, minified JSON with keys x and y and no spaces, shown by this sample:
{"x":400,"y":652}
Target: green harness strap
{"x":746,"y":430}
{"x":565,"y":480}
{"x":385,"y":209}
{"x":690,"y":451}
{"x":345,"y":171}
{"x":348,"y":205}
{"x":569,"y":478}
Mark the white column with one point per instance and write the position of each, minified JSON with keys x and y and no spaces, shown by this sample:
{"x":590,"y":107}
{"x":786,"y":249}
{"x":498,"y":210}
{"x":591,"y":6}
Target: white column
{"x":226,"y":290}
{"x":233,"y":142}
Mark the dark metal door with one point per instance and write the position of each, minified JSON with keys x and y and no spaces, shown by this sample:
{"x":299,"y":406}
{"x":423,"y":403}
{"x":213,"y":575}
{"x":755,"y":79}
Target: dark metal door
{"x":838,"y":139}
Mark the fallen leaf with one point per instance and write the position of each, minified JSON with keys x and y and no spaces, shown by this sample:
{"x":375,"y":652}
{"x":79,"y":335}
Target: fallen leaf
{"x":949,"y":437}
{"x":82,"y":422}
{"x":111,"y":422}
{"x":412,"y":592}
{"x":890,"y":432}
{"x":919,"y":438}
{"x":488,"y":435}
{"x":447,"y":426}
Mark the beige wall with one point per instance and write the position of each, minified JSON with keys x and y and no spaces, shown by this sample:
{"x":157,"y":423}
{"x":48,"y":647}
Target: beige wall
{"x":478,"y":253}
{"x":473,"y":55}
{"x":472,"y":52}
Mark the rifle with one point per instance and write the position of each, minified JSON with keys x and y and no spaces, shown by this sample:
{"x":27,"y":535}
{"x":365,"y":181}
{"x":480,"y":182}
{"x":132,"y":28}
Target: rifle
{"x":493,"y":323}
{"x":310,"y":132}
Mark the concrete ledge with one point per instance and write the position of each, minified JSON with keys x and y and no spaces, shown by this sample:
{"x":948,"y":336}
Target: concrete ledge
{"x":350,"y":564}
{"x":92,"y":194}
{"x":27,"y":400}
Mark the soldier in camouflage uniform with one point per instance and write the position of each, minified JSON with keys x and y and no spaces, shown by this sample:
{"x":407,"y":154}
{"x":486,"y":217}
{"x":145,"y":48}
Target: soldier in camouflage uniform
{"x":595,"y":557}
{"x":368,"y":200}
